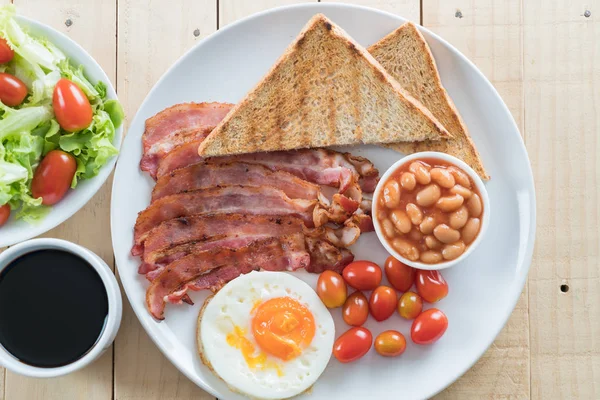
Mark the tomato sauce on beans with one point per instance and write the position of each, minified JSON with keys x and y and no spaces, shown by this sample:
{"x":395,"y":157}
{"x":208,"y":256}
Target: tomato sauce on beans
{"x":430,"y":211}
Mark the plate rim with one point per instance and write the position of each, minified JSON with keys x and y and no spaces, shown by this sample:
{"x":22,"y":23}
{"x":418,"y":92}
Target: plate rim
{"x":525,"y":261}
{"x":38,"y":228}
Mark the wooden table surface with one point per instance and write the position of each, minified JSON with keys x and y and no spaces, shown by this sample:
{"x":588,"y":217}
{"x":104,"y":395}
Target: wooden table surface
{"x":542,"y":56}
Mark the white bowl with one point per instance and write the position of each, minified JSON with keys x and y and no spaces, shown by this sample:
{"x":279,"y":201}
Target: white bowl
{"x":113,"y":320}
{"x":15,"y":231}
{"x":485,"y":220}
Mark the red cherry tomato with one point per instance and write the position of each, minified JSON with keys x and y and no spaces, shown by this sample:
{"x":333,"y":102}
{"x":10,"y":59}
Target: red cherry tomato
{"x":72,"y":109}
{"x":352,"y":345}
{"x":400,"y":275}
{"x":53,"y":177}
{"x":390,"y":343}
{"x":431,"y":285}
{"x":6,"y":53}
{"x":356,"y":309}
{"x":331,"y":289}
{"x":429,"y":326}
{"x":12,"y":90}
{"x":362,"y":275}
{"x":383,"y":302}
{"x":410,"y":305}
{"x":4,"y":214}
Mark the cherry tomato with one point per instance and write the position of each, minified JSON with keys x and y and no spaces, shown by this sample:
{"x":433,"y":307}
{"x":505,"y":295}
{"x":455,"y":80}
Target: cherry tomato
{"x":431,"y":285}
{"x":331,"y":288}
{"x":383,"y":302}
{"x":410,"y":305}
{"x":53,"y":177}
{"x":6,"y":53}
{"x":12,"y":90}
{"x":4,"y":214}
{"x":72,"y":109}
{"x":390,"y":343}
{"x":352,"y":345}
{"x":400,"y":275}
{"x":429,"y":326}
{"x":362,"y":275}
{"x":356,"y":309}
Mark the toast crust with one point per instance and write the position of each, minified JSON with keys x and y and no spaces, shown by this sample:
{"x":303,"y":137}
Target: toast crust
{"x":325,"y":90}
{"x":407,"y":57}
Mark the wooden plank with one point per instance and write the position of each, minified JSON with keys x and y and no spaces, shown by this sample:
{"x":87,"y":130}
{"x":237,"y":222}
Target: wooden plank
{"x":409,"y":9}
{"x":87,"y":20}
{"x":151,"y":36}
{"x":489,"y":33}
{"x":562,"y":122}
{"x":232,"y":10}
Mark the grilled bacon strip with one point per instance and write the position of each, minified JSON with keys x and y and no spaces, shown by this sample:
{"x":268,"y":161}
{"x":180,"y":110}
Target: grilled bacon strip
{"x":320,"y":166}
{"x":212,"y":269}
{"x":178,"y":125}
{"x":181,"y":157}
{"x":206,"y":175}
{"x":230,"y":199}
{"x":179,"y":237}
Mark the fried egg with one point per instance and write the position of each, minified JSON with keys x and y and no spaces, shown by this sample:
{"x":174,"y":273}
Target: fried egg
{"x":266,"y":334}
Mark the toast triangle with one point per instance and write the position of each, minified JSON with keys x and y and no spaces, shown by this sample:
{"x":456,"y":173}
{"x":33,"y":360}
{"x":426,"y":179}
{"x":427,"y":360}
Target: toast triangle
{"x":404,"y":53}
{"x":325,"y":90}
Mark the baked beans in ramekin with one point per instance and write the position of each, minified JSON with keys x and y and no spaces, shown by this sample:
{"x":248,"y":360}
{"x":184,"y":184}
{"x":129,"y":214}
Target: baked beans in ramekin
{"x":430,"y":210}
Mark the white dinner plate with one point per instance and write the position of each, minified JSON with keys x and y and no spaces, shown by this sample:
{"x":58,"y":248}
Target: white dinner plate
{"x":15,"y":231}
{"x":483,"y":290}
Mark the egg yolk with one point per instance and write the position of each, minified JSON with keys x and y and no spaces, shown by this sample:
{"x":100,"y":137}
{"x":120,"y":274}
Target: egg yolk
{"x":283,"y":327}
{"x":238,"y":339}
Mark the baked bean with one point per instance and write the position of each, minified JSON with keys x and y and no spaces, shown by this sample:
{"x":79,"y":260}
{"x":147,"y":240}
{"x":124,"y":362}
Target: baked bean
{"x":427,"y":225}
{"x":429,"y":195}
{"x":442,"y":177}
{"x":463,"y":191}
{"x":450,"y":203}
{"x":432,"y":243}
{"x":431,"y":257}
{"x":406,"y":249}
{"x":421,"y":172}
{"x":408,"y":181}
{"x":401,"y":221}
{"x":381,"y":215}
{"x":391,"y":194}
{"x":471,"y":229}
{"x":415,"y":235}
{"x":414,"y":213}
{"x":474,"y":206}
{"x":459,"y":218}
{"x":453,"y":251}
{"x":460,"y":177}
{"x":388,"y":228}
{"x":445,"y":234}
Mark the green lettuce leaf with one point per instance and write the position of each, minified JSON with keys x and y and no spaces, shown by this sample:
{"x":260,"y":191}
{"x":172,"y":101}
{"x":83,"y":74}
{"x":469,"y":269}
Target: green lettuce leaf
{"x":92,"y":147}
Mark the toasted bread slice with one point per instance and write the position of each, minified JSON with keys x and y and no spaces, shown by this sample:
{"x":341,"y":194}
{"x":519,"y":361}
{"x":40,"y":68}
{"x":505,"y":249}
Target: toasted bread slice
{"x":324,"y":90}
{"x":405,"y":54}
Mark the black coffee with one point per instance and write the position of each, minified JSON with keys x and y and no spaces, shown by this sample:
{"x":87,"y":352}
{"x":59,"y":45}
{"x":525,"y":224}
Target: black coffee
{"x":53,"y":306}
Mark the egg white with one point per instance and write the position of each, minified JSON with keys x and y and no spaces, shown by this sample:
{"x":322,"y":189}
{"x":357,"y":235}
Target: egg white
{"x":232,"y":306}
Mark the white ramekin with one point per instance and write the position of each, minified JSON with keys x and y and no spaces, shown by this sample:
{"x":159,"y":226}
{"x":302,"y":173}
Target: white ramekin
{"x":113,"y":320}
{"x":485,"y":221}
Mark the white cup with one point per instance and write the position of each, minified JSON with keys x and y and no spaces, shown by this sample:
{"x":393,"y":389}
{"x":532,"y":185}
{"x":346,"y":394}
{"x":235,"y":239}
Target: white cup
{"x":113,"y":320}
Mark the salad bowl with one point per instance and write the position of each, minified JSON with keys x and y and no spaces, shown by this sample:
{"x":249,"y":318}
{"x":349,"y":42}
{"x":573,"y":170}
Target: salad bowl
{"x":22,"y":225}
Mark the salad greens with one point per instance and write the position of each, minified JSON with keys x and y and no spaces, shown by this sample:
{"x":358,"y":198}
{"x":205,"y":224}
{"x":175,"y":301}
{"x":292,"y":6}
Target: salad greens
{"x":30,"y":130}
